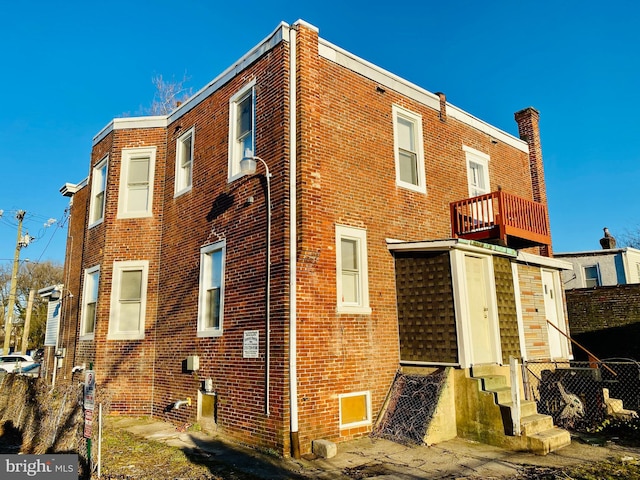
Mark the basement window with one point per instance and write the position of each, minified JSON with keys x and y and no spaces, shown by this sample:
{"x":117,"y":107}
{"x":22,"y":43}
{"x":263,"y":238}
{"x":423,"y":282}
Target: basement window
{"x":355,"y":409}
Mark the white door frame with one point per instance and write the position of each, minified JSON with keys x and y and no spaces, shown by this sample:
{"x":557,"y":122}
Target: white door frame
{"x":559,"y":313}
{"x":462,"y":310}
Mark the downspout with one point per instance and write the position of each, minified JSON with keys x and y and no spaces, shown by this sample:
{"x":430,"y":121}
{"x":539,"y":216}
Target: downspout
{"x":293,"y":241}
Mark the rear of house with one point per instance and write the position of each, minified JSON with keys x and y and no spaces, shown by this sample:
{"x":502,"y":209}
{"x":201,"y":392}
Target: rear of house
{"x":392,"y":229}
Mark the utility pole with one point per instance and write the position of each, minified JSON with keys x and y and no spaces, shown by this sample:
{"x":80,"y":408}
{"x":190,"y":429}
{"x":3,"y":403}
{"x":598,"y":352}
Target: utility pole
{"x":24,"y":346}
{"x":14,"y":282}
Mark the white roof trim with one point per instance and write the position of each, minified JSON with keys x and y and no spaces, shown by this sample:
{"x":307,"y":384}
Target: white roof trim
{"x":394,"y":82}
{"x":268,"y":43}
{"x":450,"y":244}
{"x":330,"y":52}
{"x":591,"y":253}
{"x":125,"y":123}
{"x":70,"y":189}
{"x":540,"y":261}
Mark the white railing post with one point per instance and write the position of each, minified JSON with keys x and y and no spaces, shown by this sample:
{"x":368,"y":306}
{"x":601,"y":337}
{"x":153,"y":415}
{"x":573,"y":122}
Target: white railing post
{"x":515,"y":396}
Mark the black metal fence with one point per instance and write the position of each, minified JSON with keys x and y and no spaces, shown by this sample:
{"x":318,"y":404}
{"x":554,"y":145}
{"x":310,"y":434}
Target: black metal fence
{"x":581,"y":395}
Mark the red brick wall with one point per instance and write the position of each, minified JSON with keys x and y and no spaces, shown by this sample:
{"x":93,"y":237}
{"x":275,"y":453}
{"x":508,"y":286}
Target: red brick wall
{"x":213,"y":210}
{"x":346,"y":176}
{"x":68,"y":329}
{"x":124,"y":368}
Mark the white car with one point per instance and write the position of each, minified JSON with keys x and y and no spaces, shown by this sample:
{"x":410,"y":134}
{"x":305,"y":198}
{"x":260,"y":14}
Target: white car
{"x":17,"y":363}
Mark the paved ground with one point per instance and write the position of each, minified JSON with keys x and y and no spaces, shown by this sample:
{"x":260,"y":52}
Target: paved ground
{"x":367,"y":458}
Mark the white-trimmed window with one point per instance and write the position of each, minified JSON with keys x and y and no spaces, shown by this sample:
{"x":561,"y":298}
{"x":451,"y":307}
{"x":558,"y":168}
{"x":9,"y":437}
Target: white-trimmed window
{"x":591,"y":276}
{"x":184,"y":162}
{"x":128,"y":300}
{"x":211,"y":296}
{"x":241,"y":128}
{"x":477,"y":171}
{"x":136,"y":182}
{"x":89,"y":302}
{"x":352,"y":270}
{"x":408,"y":149}
{"x":355,"y":409}
{"x":98,"y":188}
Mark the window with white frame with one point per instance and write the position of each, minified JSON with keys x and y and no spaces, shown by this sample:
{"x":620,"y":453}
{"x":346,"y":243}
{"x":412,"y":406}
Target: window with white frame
{"x":355,"y":409}
{"x":241,"y":128}
{"x":211,"y":296}
{"x":352,"y":270}
{"x":591,"y":276}
{"x":98,"y":187}
{"x":408,"y":149}
{"x":89,"y":302}
{"x":128,"y":300}
{"x":184,"y":162}
{"x":477,"y":171}
{"x":136,"y":182}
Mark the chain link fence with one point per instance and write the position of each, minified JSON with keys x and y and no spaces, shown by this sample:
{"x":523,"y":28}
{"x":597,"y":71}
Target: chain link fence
{"x":581,"y":395}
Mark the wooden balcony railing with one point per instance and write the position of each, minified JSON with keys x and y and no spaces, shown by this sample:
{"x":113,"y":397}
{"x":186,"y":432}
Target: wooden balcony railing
{"x":502,"y":218}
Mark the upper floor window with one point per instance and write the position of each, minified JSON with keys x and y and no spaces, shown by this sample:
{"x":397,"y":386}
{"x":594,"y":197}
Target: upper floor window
{"x":408,"y":149}
{"x":89,"y":302}
{"x":477,"y":171}
{"x":128,"y":300}
{"x":591,"y":276}
{"x":136,"y":182}
{"x":352,"y":270}
{"x":184,"y":162}
{"x":211,"y":297}
{"x":98,"y":187}
{"x":241,"y":128}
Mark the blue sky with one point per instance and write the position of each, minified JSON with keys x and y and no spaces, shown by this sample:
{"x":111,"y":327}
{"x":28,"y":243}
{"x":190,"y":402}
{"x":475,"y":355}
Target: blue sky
{"x":69,"y":67}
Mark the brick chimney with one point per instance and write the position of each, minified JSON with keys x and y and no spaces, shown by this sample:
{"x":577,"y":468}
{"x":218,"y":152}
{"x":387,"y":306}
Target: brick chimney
{"x":529,"y":131}
{"x":608,"y":241}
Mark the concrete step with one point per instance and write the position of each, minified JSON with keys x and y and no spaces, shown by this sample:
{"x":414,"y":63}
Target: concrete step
{"x":527,"y":407}
{"x":548,"y":441}
{"x":489,"y":370}
{"x":502,"y":395}
{"x":614,"y":404}
{"x":536,"y":423}
{"x":491,"y":382}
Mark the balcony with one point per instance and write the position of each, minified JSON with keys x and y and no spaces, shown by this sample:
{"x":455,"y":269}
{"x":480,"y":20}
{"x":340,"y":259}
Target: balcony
{"x":501,"y":218}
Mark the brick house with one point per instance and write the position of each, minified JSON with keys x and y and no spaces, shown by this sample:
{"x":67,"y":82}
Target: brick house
{"x":404,"y":232}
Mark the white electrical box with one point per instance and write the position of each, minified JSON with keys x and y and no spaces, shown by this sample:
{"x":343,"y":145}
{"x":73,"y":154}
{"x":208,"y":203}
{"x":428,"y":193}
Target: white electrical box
{"x":193,"y":363}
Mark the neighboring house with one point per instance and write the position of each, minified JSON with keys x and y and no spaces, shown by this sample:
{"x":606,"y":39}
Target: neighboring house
{"x":597,"y":268}
{"x":404,"y":232}
{"x":603,"y":299}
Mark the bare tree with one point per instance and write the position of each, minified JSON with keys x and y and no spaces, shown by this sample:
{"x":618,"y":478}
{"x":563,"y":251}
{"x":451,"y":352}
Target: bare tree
{"x":630,"y":238}
{"x":169,"y":94}
{"x":34,"y":276}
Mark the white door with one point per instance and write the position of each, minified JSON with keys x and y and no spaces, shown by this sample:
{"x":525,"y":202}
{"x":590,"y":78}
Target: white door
{"x":482,"y":326}
{"x":556,"y":339}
